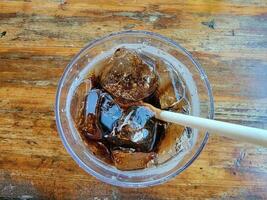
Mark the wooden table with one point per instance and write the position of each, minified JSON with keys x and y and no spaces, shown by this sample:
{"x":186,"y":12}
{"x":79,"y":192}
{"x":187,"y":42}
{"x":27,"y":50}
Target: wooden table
{"x":37,"y":40}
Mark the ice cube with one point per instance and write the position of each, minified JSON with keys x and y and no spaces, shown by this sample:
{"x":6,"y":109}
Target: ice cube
{"x":167,"y":147}
{"x":77,"y":102}
{"x":185,"y":141}
{"x":91,"y":127}
{"x":136,"y":129}
{"x":127,"y":160}
{"x":128,"y":77}
{"x":171,"y":87}
{"x":99,"y":150}
{"x":101,"y":114}
{"x":110,"y":112}
{"x":181,"y":106}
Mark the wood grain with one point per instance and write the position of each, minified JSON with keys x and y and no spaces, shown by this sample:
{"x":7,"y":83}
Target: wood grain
{"x":37,"y":40}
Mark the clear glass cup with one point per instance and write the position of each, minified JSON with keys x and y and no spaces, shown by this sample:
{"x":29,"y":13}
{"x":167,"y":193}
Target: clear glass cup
{"x":71,"y":137}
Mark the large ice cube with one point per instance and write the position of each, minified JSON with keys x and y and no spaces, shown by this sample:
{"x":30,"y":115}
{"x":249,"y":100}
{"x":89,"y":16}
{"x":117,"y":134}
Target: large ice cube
{"x":137,"y":129}
{"x":171,"y":87}
{"x":101,"y":114}
{"x":91,"y":127}
{"x":127,"y":160}
{"x":110,"y":112}
{"x":99,"y":150}
{"x":167,"y":147}
{"x":78,"y":99}
{"x":128,"y":77}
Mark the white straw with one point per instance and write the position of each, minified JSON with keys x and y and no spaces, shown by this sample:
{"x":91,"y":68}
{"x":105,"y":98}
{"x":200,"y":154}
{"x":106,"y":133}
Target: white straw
{"x":238,"y":132}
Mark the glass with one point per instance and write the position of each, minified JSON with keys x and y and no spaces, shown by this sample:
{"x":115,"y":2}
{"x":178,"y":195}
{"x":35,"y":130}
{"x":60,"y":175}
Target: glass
{"x":194,"y":76}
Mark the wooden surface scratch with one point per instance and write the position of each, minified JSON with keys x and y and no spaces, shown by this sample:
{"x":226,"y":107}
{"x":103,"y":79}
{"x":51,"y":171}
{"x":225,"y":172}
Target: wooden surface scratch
{"x":37,"y":40}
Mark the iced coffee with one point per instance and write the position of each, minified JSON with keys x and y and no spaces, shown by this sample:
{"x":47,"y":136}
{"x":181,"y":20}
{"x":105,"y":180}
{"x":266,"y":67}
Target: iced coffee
{"x":109,"y":110}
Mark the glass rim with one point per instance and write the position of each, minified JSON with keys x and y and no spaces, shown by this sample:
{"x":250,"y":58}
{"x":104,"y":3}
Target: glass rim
{"x":76,"y":157}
